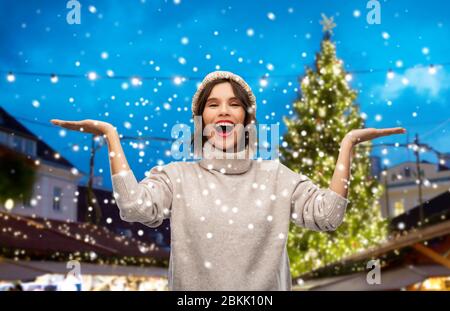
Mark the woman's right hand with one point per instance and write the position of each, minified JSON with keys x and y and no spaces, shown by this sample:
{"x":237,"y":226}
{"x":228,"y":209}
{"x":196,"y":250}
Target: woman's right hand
{"x":89,"y":126}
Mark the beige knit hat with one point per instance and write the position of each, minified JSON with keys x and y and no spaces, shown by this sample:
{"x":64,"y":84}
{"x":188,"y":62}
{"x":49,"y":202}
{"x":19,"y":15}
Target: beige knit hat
{"x":216,"y":75}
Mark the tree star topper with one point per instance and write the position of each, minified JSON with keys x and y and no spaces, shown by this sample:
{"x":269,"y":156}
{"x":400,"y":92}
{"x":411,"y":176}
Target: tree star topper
{"x":328,"y":24}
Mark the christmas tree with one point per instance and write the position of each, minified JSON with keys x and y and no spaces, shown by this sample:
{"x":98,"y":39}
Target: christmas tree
{"x":323,"y":113}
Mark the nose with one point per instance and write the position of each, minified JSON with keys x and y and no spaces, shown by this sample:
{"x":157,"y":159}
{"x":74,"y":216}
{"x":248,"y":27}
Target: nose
{"x":223,"y":110}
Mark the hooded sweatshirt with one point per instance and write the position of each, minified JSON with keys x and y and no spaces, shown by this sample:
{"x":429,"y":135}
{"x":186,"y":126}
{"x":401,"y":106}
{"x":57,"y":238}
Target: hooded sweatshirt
{"x":229,"y":217}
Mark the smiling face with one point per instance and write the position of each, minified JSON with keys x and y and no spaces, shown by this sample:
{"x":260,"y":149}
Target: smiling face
{"x":222,"y":112}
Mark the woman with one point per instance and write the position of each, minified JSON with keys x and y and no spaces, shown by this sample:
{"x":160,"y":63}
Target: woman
{"x":229,"y":213}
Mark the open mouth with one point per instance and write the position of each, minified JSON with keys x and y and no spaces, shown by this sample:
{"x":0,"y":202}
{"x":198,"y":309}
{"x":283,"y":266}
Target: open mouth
{"x":224,"y":129}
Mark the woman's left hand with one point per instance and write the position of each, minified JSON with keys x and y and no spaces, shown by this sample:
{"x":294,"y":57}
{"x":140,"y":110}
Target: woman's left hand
{"x":358,"y":136}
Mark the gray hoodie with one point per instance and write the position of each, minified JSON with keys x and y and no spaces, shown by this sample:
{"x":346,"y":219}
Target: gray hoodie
{"x":229,"y":218}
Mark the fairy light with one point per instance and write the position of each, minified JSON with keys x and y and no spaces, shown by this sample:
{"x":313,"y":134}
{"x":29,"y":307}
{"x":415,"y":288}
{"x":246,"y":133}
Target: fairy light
{"x":263,"y":82}
{"x":135,"y":81}
{"x":54,"y":78}
{"x":11,"y":77}
{"x":432,"y":70}
{"x":9,"y":204}
{"x":177,"y":80}
{"x":390,"y":74}
{"x":92,"y":75}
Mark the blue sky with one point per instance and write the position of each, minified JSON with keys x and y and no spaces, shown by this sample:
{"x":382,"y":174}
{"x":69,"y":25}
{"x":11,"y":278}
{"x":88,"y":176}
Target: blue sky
{"x":165,"y":39}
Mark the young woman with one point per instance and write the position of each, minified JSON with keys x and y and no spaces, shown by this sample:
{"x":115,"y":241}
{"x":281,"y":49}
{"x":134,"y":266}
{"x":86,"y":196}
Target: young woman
{"x":229,"y":213}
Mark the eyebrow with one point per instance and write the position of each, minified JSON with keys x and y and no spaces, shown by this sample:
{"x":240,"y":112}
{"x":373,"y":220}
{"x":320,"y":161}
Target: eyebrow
{"x":229,"y":99}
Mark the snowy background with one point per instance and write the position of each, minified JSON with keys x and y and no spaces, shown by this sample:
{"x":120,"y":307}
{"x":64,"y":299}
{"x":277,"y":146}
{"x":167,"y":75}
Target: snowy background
{"x":145,"y":58}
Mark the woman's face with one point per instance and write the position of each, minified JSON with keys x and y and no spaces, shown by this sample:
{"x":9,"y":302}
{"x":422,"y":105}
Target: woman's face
{"x":223,"y":111}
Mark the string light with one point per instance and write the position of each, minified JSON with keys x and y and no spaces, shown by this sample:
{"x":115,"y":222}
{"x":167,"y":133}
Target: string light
{"x":390,"y":74}
{"x":54,"y":78}
{"x":135,"y":81}
{"x":263,"y":82}
{"x":177,"y":80}
{"x":432,"y":69}
{"x":92,"y":75}
{"x":11,"y":77}
{"x":9,"y":204}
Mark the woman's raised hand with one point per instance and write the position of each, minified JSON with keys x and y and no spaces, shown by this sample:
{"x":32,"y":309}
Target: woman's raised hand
{"x":358,"y":136}
{"x":89,"y":126}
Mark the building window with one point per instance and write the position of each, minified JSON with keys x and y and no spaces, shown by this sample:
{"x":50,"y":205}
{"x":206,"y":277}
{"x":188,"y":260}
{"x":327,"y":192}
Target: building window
{"x":30,"y":147}
{"x":27,"y":203}
{"x":4,"y":138}
{"x":57,"y":199}
{"x":407,"y":172}
{"x":17,"y":143}
{"x":399,"y":208}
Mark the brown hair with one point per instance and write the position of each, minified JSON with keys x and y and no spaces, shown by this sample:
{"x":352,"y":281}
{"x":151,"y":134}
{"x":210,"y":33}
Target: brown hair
{"x":240,"y":94}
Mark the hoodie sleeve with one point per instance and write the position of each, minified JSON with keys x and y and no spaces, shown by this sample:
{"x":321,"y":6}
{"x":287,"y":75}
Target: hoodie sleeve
{"x":316,"y":208}
{"x":148,"y":202}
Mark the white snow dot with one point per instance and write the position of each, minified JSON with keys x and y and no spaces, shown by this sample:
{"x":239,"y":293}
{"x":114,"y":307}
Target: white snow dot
{"x":251,"y":226}
{"x":184,"y":40}
{"x":209,"y":235}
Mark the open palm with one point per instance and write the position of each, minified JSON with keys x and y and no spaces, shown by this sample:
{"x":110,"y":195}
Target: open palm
{"x":89,"y":126}
{"x":361,"y":135}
